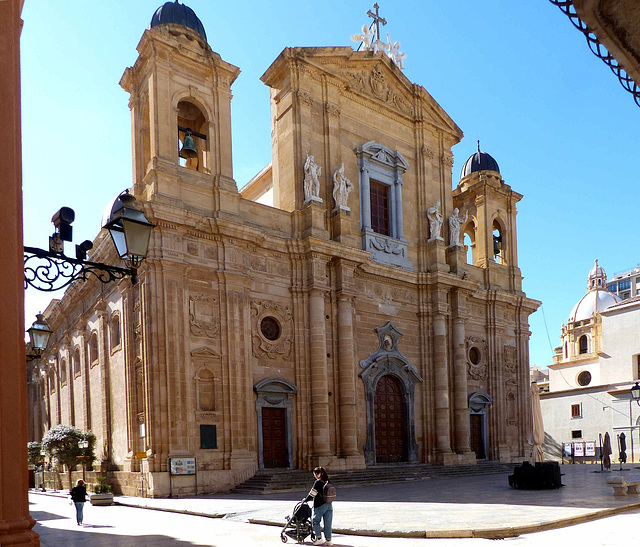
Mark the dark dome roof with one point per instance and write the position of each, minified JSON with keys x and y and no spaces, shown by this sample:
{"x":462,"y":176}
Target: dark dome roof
{"x":480,"y":161}
{"x":178,"y":14}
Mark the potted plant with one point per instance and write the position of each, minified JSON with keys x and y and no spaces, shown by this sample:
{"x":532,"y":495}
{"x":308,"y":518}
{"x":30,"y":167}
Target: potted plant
{"x":102,"y":494}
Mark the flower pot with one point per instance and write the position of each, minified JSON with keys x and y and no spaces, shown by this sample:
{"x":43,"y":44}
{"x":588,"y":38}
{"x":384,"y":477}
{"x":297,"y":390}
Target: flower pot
{"x":101,"y":499}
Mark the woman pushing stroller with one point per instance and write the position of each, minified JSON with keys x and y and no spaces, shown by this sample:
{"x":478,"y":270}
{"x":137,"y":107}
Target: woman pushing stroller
{"x":322,"y":509}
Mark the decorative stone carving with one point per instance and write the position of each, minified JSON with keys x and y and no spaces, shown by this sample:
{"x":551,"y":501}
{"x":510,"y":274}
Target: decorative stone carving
{"x":311,"y":181}
{"x":305,"y":97}
{"x":427,"y":152}
{"x":341,"y":188}
{"x":455,"y":223}
{"x":332,"y":109}
{"x":378,"y":83}
{"x":477,"y":350}
{"x":387,"y":246}
{"x":435,"y":222}
{"x":280,"y":340}
{"x":204,"y":318}
{"x":510,"y":359}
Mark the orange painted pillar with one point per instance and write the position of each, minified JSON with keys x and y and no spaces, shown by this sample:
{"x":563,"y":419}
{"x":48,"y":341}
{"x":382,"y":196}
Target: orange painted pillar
{"x":15,"y":522}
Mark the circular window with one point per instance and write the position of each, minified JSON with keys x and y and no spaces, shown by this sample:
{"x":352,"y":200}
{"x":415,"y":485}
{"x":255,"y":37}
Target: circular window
{"x":270,"y":328}
{"x":474,"y":356}
{"x":584,"y":378}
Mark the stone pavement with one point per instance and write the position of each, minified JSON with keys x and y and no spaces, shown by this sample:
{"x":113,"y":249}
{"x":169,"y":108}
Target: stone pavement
{"x":465,"y":507}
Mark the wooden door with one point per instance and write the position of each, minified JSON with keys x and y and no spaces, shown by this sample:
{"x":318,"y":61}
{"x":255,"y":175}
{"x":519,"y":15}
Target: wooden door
{"x":274,"y":438}
{"x":390,"y":421}
{"x":477,"y":435}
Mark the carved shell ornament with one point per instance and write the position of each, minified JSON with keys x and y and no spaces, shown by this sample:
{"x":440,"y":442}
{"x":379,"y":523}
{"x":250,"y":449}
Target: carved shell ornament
{"x":271,"y":324}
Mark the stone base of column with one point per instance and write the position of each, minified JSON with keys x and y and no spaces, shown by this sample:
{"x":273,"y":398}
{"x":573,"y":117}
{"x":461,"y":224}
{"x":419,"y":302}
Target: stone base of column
{"x":18,"y":533}
{"x":313,"y":220}
{"x":457,"y":259}
{"x":341,"y":227}
{"x":467,"y":458}
{"x":446,"y":458}
{"x":436,"y":259}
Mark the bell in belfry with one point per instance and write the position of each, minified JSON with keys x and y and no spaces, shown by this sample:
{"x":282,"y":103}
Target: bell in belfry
{"x":188,"y":149}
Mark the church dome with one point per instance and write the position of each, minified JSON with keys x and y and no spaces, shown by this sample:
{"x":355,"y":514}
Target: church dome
{"x":597,"y":299}
{"x":174,"y":13}
{"x":480,"y":161}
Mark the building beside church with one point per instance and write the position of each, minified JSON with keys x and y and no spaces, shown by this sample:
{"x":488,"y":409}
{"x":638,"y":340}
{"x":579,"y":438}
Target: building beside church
{"x":593,"y":372}
{"x":344,"y":326}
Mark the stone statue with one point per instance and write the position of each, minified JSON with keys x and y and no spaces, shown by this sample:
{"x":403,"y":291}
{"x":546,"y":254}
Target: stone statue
{"x":394,"y":53}
{"x":366,"y":38}
{"x":341,"y":188}
{"x":455,"y":222}
{"x":311,"y":183}
{"x":435,"y":222}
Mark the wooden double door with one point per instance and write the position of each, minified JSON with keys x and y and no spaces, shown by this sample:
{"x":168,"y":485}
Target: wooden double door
{"x":390,"y":421}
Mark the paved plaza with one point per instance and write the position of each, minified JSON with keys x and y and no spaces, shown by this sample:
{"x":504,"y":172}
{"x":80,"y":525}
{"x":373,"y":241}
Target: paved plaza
{"x":465,"y":507}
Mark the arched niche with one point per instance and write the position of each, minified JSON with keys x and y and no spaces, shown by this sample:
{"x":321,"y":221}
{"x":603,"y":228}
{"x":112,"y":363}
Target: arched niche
{"x":278,"y":393}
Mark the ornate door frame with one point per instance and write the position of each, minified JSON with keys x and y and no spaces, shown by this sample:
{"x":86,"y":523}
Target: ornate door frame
{"x":479,"y":404}
{"x":388,"y":359}
{"x":275,"y":392}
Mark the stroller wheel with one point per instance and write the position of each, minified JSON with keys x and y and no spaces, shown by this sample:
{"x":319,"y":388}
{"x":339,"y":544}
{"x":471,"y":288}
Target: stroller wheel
{"x":284,"y":538}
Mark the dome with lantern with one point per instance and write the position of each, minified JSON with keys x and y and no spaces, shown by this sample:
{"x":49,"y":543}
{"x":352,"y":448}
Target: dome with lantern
{"x":597,"y":299}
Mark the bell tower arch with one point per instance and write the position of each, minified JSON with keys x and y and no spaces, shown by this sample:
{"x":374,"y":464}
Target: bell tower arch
{"x":180,"y":101}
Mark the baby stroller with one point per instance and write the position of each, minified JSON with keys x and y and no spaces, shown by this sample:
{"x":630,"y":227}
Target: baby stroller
{"x":299,"y":524}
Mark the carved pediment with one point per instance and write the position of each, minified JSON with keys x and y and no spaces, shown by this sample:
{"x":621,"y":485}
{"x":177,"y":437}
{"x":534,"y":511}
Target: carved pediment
{"x":204,"y":353}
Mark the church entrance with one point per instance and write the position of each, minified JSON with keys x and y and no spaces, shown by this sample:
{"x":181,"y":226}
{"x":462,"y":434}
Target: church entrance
{"x":390,"y":421}
{"x":274,"y":406}
{"x":476,"y":439}
{"x":478,"y":420}
{"x":274,"y":437}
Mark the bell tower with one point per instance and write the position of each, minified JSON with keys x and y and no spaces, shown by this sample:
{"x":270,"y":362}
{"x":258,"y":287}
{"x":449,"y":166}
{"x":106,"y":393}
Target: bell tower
{"x":489,"y":206}
{"x":180,"y":101}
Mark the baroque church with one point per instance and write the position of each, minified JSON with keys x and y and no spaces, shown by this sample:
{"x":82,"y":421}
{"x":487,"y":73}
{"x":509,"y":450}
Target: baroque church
{"x":370,"y":314}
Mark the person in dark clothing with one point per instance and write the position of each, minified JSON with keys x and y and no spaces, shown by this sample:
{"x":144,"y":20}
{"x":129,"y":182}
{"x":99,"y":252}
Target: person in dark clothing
{"x":79,"y":496}
{"x":322,"y":510}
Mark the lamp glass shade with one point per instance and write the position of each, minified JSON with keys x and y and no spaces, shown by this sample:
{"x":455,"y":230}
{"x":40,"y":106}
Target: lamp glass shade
{"x":39,"y":333}
{"x":635,"y":392}
{"x":129,"y":228}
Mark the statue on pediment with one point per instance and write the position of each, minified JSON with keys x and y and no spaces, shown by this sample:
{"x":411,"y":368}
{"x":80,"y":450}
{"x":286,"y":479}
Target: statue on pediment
{"x":311,"y":181}
{"x":341,"y":188}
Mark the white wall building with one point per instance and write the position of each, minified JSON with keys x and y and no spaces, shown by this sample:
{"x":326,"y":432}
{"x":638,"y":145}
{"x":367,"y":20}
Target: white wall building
{"x":626,"y":284}
{"x":593,"y":371}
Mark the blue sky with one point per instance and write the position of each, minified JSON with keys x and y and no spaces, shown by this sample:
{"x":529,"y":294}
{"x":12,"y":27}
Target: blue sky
{"x":516,"y":75}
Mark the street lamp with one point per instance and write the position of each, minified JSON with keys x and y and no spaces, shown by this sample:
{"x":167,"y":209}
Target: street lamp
{"x":39,"y":334}
{"x":129,"y":229}
{"x":635,"y":396}
{"x":83,"y":445}
{"x":635,"y":393}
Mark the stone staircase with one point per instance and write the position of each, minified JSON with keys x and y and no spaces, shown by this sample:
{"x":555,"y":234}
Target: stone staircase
{"x":283,"y":480}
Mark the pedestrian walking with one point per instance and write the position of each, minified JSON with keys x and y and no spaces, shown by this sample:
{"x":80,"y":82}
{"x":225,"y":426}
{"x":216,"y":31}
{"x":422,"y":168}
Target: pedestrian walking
{"x":79,"y":496}
{"x":322,"y":509}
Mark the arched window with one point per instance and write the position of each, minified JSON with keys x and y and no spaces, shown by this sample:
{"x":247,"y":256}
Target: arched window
{"x":205,"y":390}
{"x":498,"y":243}
{"x":469,"y":240}
{"x":583,"y":344}
{"x":192,"y":137}
{"x":93,"y":348}
{"x":76,"y":361}
{"x":63,"y":371}
{"x":115,"y":331}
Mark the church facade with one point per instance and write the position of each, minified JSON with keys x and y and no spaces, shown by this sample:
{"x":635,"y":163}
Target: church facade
{"x":346,"y":325}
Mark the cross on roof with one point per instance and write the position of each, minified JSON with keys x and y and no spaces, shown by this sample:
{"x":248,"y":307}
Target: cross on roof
{"x":377,"y":19}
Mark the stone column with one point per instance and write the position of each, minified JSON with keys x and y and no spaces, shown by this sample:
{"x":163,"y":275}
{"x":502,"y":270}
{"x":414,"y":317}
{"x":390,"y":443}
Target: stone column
{"x":460,"y":402}
{"x":365,"y":200}
{"x":441,"y":383}
{"x":398,"y":205}
{"x":346,"y":375}
{"x":15,"y":522}
{"x":319,"y":384}
{"x":105,"y":381}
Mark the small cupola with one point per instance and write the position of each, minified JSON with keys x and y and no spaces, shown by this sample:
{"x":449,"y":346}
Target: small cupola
{"x":480,"y":161}
{"x":175,"y":13}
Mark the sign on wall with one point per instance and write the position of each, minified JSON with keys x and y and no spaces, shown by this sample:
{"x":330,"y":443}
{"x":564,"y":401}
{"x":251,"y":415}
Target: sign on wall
{"x":578,"y":449}
{"x":182,"y":466}
{"x":590,"y":448}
